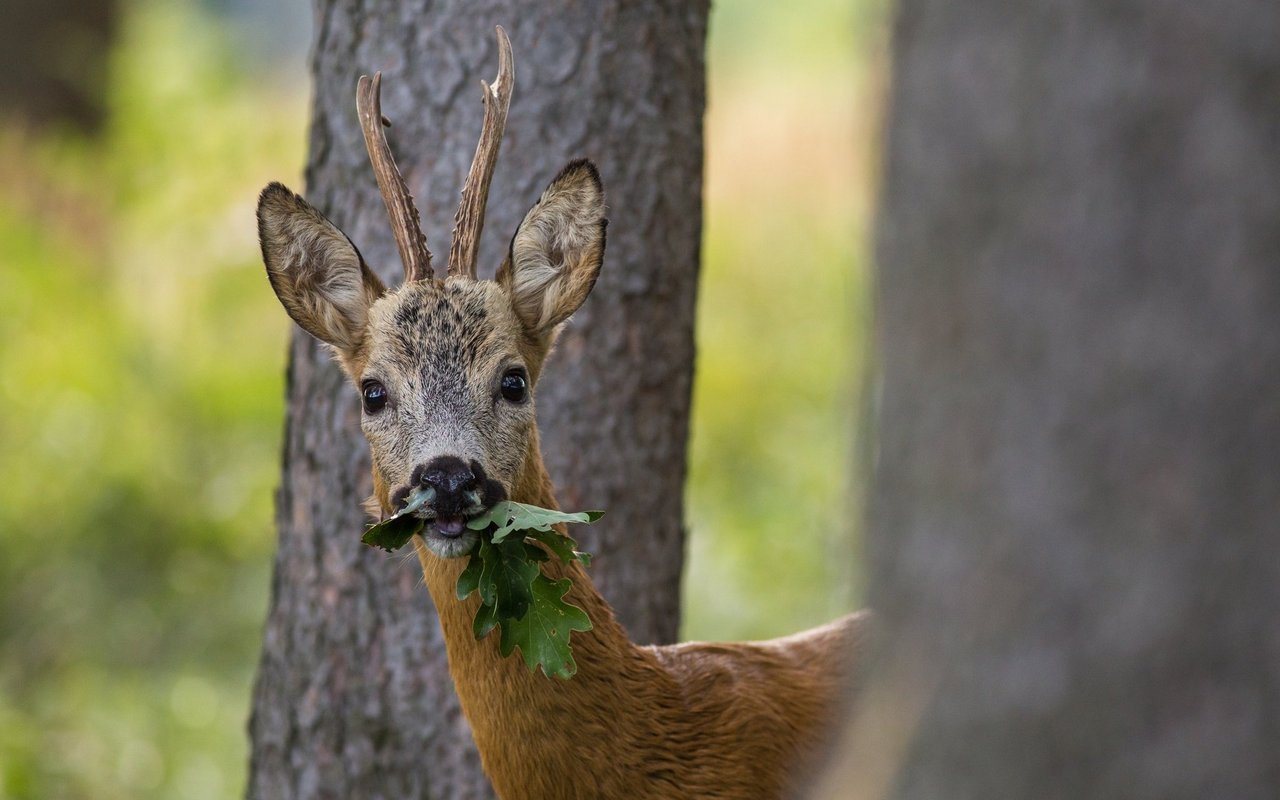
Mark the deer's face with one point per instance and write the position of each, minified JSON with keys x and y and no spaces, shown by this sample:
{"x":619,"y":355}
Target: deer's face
{"x":445,"y":369}
{"x":446,"y":394}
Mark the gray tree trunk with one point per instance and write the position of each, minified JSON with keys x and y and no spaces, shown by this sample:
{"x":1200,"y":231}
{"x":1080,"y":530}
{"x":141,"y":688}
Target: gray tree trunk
{"x":1075,"y":524}
{"x":353,"y":697}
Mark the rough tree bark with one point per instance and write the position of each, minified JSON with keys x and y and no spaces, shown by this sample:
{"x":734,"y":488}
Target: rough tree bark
{"x":1075,"y":531}
{"x":353,"y":697}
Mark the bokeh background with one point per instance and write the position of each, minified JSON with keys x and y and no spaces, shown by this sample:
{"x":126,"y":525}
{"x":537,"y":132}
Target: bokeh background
{"x":142,"y":364}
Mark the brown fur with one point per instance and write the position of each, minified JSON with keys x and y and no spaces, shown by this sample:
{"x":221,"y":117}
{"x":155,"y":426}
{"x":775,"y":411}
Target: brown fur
{"x":692,"y":720}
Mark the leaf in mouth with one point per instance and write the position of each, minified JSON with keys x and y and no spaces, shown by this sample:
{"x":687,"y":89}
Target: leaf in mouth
{"x":515,"y":596}
{"x":393,"y":532}
{"x":509,"y":516}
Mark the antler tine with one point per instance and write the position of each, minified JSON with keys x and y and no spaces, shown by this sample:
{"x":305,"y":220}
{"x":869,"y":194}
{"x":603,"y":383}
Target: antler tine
{"x":469,"y":220}
{"x":405,"y":225}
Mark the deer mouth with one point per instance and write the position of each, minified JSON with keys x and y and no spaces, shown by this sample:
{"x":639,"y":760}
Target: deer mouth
{"x":447,"y":535}
{"x":440,"y":538}
{"x":446,"y":495}
{"x":450,"y":527}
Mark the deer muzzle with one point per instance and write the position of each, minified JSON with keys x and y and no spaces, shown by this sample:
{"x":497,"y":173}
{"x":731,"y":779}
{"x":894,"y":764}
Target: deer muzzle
{"x":458,"y":491}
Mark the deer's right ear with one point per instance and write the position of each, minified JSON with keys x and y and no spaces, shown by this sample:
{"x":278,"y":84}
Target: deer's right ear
{"x":315,"y":270}
{"x":557,"y":250}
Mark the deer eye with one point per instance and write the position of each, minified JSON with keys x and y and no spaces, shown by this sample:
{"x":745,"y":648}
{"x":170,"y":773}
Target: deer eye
{"x":374,"y":395}
{"x":514,"y":388}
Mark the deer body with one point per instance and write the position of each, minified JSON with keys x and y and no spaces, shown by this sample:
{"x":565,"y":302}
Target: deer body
{"x":696,"y":720}
{"x":446,"y":369}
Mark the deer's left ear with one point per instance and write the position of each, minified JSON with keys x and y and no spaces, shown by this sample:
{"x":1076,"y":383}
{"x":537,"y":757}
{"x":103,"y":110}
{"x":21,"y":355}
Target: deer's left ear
{"x":557,"y":251}
{"x":316,"y":272}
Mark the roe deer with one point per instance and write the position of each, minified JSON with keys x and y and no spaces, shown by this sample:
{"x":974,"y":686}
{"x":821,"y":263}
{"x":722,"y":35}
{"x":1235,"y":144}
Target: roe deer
{"x":446,"y":368}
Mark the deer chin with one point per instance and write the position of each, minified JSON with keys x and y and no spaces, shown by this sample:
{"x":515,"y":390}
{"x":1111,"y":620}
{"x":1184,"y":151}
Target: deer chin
{"x":449,"y":538}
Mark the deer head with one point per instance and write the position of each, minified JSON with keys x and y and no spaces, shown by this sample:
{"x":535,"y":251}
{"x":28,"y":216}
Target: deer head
{"x":446,"y":367}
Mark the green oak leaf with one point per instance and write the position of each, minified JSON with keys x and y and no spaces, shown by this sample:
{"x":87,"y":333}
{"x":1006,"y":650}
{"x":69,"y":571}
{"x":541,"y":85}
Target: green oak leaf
{"x":503,"y":569}
{"x":535,"y":553}
{"x":392,"y":533}
{"x":563,"y":546}
{"x":486,"y":620}
{"x":469,"y":580}
{"x":543,"y":634}
{"x":505,"y":575}
{"x":508,"y":516}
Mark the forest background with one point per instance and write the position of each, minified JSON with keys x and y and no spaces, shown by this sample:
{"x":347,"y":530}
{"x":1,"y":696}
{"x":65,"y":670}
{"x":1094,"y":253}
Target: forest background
{"x":142,"y":367}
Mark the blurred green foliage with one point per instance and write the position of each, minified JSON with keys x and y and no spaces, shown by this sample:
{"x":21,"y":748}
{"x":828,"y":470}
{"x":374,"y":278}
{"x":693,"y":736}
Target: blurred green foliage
{"x":772,"y":498}
{"x":141,"y":376}
{"x":140,"y":372}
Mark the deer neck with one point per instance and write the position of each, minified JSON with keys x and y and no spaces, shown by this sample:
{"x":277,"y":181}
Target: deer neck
{"x":529,"y":728}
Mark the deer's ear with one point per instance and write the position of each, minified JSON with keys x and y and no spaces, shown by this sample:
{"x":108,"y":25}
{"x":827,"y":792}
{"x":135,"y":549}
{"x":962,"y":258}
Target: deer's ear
{"x":316,"y":272}
{"x":557,"y":250}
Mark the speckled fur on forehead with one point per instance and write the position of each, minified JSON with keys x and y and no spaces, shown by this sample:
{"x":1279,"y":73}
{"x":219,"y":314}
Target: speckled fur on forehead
{"x":431,"y":328}
{"x":440,"y":349}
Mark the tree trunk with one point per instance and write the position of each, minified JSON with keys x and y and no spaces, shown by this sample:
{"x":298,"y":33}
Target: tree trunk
{"x":1075,"y":526}
{"x":353,"y":697}
{"x":54,"y":59}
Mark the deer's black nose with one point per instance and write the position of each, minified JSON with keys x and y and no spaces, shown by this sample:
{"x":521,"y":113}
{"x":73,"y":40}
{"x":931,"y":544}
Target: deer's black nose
{"x":458,"y":488}
{"x":448,"y":475}
{"x":455,"y":483}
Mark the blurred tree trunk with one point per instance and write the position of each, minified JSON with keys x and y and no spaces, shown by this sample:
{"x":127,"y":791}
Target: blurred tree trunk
{"x":1075,"y":522}
{"x":353,"y":697}
{"x":54,"y":60}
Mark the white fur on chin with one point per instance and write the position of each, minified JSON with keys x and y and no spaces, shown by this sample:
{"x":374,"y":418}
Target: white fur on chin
{"x":445,"y":547}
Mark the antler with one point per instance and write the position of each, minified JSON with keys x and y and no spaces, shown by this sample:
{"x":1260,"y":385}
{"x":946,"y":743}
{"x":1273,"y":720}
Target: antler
{"x":405,"y":225}
{"x":469,"y":220}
